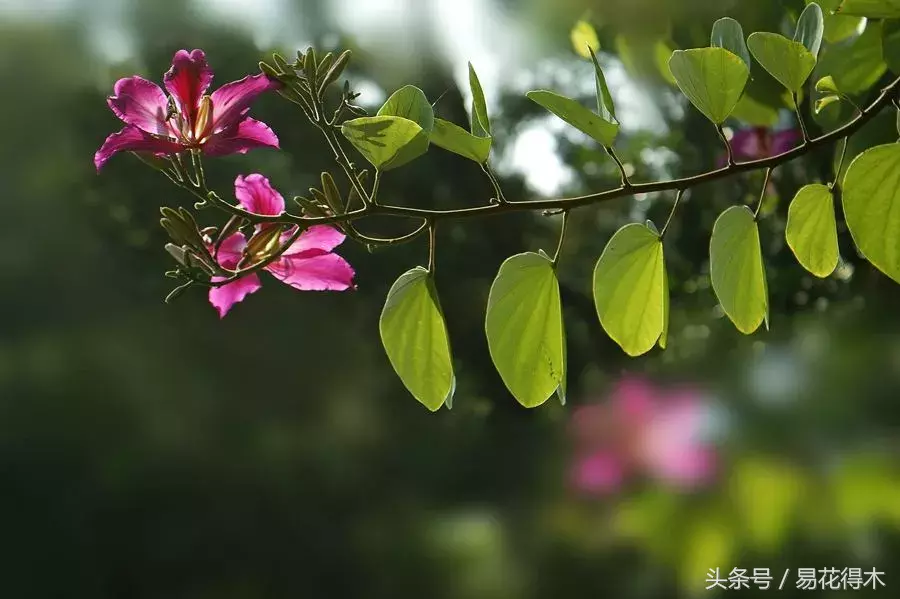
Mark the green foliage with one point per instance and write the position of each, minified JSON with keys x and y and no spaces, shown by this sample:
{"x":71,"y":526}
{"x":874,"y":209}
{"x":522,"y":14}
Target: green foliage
{"x":736,"y":269}
{"x":455,"y":139}
{"x":857,"y":64}
{"x":481,"y":124}
{"x":812,"y":231}
{"x":810,"y":28}
{"x":728,"y":34}
{"x":525,"y":330}
{"x":873,"y":9}
{"x":871,"y":200}
{"x":415,"y":338}
{"x":786,"y":60}
{"x":890,"y":45}
{"x":606,"y":108}
{"x":631,"y":293}
{"x":713,"y":79}
{"x":572,"y":112}
{"x":838,"y":27}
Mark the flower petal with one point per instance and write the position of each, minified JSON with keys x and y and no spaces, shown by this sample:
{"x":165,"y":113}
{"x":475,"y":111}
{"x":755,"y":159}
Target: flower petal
{"x":318,"y":237}
{"x":232,"y":100}
{"x":601,"y":472}
{"x":673,"y":448}
{"x":256,"y":195}
{"x":188,"y":80}
{"x":747,"y":144}
{"x":140,"y":103}
{"x":222,"y":298}
{"x":246,"y":135}
{"x":134,"y":140}
{"x":230,"y":251}
{"x":313,"y":270}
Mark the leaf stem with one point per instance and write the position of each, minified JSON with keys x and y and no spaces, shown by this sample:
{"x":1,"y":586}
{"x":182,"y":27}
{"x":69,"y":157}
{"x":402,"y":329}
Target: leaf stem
{"x":799,"y":112}
{"x":725,"y":141}
{"x":672,"y":213}
{"x":498,"y":192}
{"x":837,"y":172}
{"x":432,"y":243}
{"x":762,"y":194}
{"x":562,"y":238}
{"x":626,"y":184}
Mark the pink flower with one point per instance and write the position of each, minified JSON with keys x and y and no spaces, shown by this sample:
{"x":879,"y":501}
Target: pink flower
{"x":189,"y":118}
{"x":641,"y":429}
{"x":308,"y":265}
{"x":759,"y":142}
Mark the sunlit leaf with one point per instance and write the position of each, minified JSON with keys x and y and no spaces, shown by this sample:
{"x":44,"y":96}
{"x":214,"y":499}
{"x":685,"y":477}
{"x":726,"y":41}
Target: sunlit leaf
{"x":386,"y":141}
{"x":605,"y":106}
{"x":415,"y":338}
{"x":524,"y":329}
{"x":481,"y":124}
{"x":810,"y":28}
{"x":728,"y":34}
{"x":584,"y":38}
{"x":838,"y":27}
{"x":890,"y":45}
{"x":858,"y":64}
{"x":410,"y":103}
{"x":812,"y":231}
{"x":736,"y":269}
{"x":763,"y":99}
{"x":711,"y":78}
{"x":871,"y":199}
{"x":456,"y":139}
{"x":630,"y":291}
{"x":786,"y":60}
{"x":873,"y":9}
{"x":827,"y":85}
{"x":572,"y":112}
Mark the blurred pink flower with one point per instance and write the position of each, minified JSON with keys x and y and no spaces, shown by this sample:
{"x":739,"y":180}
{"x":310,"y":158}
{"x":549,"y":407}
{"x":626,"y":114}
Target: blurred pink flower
{"x":642,"y":429}
{"x":189,"y":118}
{"x":308,"y":265}
{"x":755,"y":143}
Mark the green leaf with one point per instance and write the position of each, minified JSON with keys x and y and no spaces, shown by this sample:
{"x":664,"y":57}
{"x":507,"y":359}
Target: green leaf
{"x":728,"y":34}
{"x":812,"y":231}
{"x":873,"y":9}
{"x":736,"y":269}
{"x":524,"y":329}
{"x":837,"y":27}
{"x":410,"y":103}
{"x":630,"y":291}
{"x":605,"y":106}
{"x":414,"y":336}
{"x":481,"y":124}
{"x":827,"y":85}
{"x":459,"y":141}
{"x":871,"y":199}
{"x":811,"y":28}
{"x":826,"y":101}
{"x":713,"y":79}
{"x":576,"y":115}
{"x":763,"y":100}
{"x":786,"y":60}
{"x":386,"y":141}
{"x":890,"y":45}
{"x":584,"y":39}
{"x":857,"y":64}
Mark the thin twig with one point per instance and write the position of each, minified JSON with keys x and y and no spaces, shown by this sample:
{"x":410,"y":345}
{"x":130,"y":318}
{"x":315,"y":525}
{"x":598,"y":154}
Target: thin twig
{"x":799,"y":112}
{"x":725,"y":141}
{"x":671,"y":213}
{"x":612,"y":154}
{"x":762,"y":194}
{"x":562,"y":238}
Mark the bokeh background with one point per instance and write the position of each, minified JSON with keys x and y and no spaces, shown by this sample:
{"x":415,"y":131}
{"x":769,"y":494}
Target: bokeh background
{"x":151,"y":450}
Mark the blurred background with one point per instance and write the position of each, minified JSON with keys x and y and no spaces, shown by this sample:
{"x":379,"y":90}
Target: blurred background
{"x":154,"y":451}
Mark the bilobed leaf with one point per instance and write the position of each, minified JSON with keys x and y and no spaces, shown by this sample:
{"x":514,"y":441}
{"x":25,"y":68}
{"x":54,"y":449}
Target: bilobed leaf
{"x":857,"y":64}
{"x":459,"y":141}
{"x":786,"y":60}
{"x":812,"y":231}
{"x":386,"y":141}
{"x":584,"y":38}
{"x":871,"y":199}
{"x":524,"y":329}
{"x":415,"y":338}
{"x":572,"y":112}
{"x":728,"y":34}
{"x":736,"y":269}
{"x":838,"y":27}
{"x":629,"y":289}
{"x":481,"y":124}
{"x":811,"y":28}
{"x":410,"y":103}
{"x":873,"y":9}
{"x":605,"y":106}
{"x":711,"y":78}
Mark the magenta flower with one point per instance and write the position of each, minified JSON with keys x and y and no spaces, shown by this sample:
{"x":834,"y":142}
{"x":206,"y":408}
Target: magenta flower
{"x":755,"y":143}
{"x":189,"y":118}
{"x":308,"y":265}
{"x":641,"y":430}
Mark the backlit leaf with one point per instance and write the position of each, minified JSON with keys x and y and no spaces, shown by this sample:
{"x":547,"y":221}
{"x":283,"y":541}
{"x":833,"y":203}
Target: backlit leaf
{"x":873,"y":9}
{"x":786,"y":60}
{"x":812,"y":231}
{"x":410,"y":103}
{"x":605,"y":106}
{"x":890,"y":45}
{"x":857,"y":64}
{"x":456,"y":139}
{"x":524,"y":329}
{"x":728,"y":34}
{"x":576,"y":115}
{"x":810,"y":28}
{"x":630,"y":291}
{"x":711,"y":78}
{"x":481,"y":124}
{"x":736,"y":269}
{"x":415,"y":338}
{"x":838,"y":27}
{"x":386,"y":141}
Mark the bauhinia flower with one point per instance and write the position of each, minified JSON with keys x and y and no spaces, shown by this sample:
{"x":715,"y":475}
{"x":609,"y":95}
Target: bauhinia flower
{"x":642,"y":429}
{"x":307,"y":265}
{"x":188,"y":118}
{"x":755,"y":143}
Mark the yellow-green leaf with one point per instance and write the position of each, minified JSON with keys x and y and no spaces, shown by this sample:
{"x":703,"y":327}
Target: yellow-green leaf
{"x":871,"y":199}
{"x":459,"y":141}
{"x":415,"y":338}
{"x":584,"y":39}
{"x":630,"y":289}
{"x":873,"y":9}
{"x":713,"y":79}
{"x":410,"y":103}
{"x":386,"y":141}
{"x":811,"y":28}
{"x":786,"y":60}
{"x":525,"y":331}
{"x":858,"y":64}
{"x":481,"y":124}
{"x":838,"y":27}
{"x":728,"y":34}
{"x":812,"y":231}
{"x":572,"y":112}
{"x":736,"y":269}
